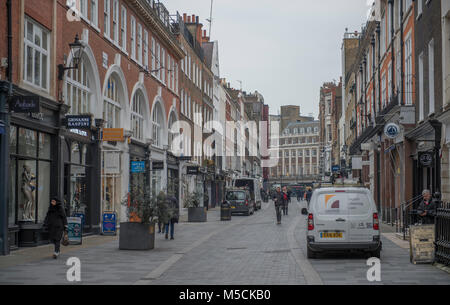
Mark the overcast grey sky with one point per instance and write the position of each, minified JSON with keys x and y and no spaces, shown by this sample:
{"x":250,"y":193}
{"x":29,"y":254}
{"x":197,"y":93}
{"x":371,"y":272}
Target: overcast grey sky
{"x":285,"y":49}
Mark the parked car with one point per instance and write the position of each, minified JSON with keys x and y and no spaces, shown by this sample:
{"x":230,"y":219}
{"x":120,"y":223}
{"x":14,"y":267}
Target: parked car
{"x":240,"y":201}
{"x":254,"y":187}
{"x":342,"y":219}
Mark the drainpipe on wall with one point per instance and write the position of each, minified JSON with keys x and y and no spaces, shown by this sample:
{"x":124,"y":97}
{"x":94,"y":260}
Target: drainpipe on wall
{"x":391,"y":4}
{"x":402,"y":85}
{"x":5,"y":92}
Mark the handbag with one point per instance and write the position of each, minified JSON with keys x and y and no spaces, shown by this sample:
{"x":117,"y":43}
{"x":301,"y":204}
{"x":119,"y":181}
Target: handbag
{"x":65,"y":239}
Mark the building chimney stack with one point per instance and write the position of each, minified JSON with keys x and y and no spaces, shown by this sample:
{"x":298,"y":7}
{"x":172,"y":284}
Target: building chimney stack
{"x":184,"y":17}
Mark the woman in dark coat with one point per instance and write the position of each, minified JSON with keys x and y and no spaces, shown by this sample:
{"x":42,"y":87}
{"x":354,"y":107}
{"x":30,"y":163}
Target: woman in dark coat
{"x":56,"y":223}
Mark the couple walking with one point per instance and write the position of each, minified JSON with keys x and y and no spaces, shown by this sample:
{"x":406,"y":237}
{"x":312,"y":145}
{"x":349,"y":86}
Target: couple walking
{"x":281,"y":200}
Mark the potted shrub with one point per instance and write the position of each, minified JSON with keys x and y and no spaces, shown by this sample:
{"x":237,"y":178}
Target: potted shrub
{"x":196,"y":213}
{"x":143,"y":212}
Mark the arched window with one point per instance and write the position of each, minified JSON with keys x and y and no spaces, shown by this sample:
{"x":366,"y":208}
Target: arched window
{"x":111,"y":104}
{"x":137,"y":116}
{"x":157,"y":124}
{"x":78,"y":94}
{"x":172,"y":134}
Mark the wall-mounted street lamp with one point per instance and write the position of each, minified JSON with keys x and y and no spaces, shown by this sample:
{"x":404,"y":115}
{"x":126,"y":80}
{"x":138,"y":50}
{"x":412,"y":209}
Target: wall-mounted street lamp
{"x":76,"y":48}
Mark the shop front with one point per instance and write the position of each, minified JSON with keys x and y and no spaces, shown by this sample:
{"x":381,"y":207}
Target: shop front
{"x":81,"y":158}
{"x":426,"y":139}
{"x":139,"y":167}
{"x":157,"y":182}
{"x":173,"y":174}
{"x":33,"y":168}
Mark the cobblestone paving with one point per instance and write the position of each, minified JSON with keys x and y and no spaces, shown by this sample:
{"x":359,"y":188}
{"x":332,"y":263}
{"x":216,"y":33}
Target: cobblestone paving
{"x":247,"y":250}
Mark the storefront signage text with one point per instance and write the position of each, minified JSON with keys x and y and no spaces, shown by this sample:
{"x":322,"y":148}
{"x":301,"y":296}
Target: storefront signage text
{"x":109,"y":225}
{"x":192,"y":170}
{"x":157,"y":165}
{"x":113,"y":135}
{"x":37,"y":116}
{"x":138,"y":167}
{"x":79,"y":132}
{"x":426,"y":159}
{"x":392,"y":130}
{"x":25,"y":104}
{"x":75,"y":230}
{"x":78,"y":121}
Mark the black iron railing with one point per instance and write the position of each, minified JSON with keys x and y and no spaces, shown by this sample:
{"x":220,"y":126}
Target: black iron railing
{"x":442,"y":253}
{"x":408,"y":215}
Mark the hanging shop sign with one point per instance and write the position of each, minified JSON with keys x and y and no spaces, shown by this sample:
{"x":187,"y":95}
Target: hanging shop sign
{"x":25,"y":104}
{"x":426,"y":159}
{"x":335,"y":168}
{"x":111,"y":162}
{"x":391,"y":130}
{"x":109,"y":224}
{"x":157,"y":165}
{"x":137,"y":167}
{"x":78,"y":121}
{"x":192,"y":170}
{"x":113,"y":135}
{"x":75,"y":230}
{"x":356,"y":163}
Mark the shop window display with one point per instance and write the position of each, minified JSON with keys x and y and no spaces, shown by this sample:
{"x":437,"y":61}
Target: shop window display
{"x":30,"y":166}
{"x":111,"y":181}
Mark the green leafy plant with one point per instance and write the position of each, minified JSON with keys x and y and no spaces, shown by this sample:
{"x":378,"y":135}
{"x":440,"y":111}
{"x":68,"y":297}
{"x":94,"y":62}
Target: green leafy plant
{"x":143,"y":208}
{"x":193,"y":200}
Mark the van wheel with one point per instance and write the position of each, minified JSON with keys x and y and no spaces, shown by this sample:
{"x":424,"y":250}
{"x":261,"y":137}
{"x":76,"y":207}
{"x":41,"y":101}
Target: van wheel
{"x":310,"y":254}
{"x":376,"y":253}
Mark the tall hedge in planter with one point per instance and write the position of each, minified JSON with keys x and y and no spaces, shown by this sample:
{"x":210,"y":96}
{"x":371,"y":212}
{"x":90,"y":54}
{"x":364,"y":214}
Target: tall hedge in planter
{"x":143,"y":211}
{"x":196,"y":213}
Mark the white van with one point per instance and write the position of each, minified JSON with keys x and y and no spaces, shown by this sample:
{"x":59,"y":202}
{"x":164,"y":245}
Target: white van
{"x":254,"y":186}
{"x":342,"y":219}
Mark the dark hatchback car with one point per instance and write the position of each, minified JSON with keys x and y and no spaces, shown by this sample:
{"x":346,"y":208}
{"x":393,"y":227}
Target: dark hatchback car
{"x":240,"y":201}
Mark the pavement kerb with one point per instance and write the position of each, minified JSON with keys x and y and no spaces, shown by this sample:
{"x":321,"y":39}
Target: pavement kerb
{"x":309,"y":273}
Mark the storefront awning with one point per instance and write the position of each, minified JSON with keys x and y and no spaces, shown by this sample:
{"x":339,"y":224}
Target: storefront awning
{"x":427,"y":131}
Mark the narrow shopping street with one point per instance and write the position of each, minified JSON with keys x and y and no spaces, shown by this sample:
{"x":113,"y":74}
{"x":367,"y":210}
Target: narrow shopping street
{"x":246,"y":251}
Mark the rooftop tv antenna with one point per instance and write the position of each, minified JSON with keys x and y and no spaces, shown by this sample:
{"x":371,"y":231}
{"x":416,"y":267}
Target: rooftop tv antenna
{"x":210,"y":18}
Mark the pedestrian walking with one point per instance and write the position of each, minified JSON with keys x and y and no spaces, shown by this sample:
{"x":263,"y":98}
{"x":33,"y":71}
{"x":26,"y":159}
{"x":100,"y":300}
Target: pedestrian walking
{"x":427,"y":208}
{"x":56,"y":224}
{"x":308,"y":195}
{"x":173,"y":217}
{"x":278,"y":201}
{"x":161,"y":227}
{"x":286,"y":200}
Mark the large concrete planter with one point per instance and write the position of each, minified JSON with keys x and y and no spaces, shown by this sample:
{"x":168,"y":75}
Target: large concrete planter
{"x":197,"y":214}
{"x":136,"y":236}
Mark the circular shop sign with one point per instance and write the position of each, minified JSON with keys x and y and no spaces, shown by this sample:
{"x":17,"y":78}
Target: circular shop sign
{"x":426,"y":159}
{"x":392,"y":130}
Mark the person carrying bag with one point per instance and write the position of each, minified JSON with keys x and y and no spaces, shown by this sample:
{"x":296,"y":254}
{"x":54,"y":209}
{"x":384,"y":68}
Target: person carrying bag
{"x":56,"y":224}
